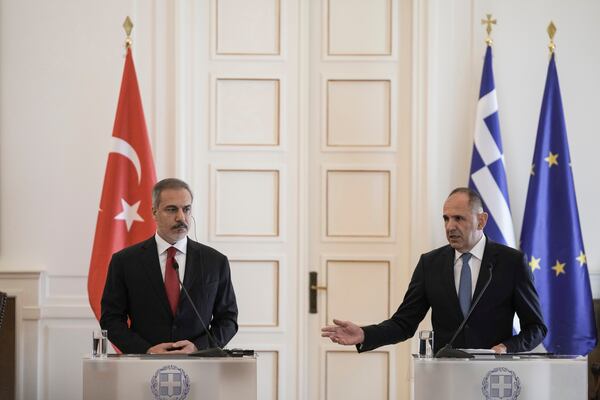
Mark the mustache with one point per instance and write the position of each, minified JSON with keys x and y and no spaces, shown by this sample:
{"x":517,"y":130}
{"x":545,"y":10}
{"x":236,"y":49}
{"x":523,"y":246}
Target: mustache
{"x":180,"y":225}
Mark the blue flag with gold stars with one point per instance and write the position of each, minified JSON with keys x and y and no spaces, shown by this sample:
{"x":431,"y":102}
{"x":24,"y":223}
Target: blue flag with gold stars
{"x":551,"y":235}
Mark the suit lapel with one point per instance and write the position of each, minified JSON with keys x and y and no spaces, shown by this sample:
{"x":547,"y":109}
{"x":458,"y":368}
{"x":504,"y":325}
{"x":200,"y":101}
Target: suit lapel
{"x":151,"y":267}
{"x":489,"y":258}
{"x":193,"y":264}
{"x":450,"y":285}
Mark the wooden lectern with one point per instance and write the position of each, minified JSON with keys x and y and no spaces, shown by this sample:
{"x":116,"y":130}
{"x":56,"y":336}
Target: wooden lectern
{"x":522,"y":377}
{"x":169,"y":377}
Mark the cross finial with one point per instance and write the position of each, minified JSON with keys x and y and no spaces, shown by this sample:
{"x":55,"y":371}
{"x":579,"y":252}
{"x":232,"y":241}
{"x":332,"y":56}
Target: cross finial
{"x":488,"y":22}
{"x":551,"y":33}
{"x":128,"y":26}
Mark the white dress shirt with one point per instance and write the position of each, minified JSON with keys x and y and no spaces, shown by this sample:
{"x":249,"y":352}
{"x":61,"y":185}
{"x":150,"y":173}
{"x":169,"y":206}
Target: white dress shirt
{"x":474,"y":264}
{"x":162,"y":246}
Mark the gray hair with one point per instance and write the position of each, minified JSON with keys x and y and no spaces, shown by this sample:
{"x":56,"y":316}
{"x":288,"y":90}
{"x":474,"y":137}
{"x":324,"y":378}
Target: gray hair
{"x":475,"y":200}
{"x":168,"y":183}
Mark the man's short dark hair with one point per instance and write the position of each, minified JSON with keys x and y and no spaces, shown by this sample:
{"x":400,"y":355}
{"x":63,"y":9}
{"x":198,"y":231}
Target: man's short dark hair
{"x":475,"y":200}
{"x":168,"y":183}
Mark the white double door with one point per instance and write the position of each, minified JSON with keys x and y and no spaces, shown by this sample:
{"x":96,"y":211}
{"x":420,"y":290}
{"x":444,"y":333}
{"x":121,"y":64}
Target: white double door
{"x":301,"y":111}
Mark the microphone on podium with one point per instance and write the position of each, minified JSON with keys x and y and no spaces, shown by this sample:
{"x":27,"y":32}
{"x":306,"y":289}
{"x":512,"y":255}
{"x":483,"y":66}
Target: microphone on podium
{"x":447,"y":351}
{"x":215,"y":350}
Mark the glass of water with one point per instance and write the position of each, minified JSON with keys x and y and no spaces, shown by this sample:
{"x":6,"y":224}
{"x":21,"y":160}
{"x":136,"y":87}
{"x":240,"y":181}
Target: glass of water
{"x":426,"y":344}
{"x":100,"y":343}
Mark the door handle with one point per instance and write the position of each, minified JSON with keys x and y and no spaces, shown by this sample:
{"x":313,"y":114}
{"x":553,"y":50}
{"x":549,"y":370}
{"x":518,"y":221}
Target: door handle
{"x":313,"y":287}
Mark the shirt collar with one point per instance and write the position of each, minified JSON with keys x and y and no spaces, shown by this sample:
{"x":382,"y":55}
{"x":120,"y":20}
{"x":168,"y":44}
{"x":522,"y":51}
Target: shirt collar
{"x":163,"y":245}
{"x":476,"y":251}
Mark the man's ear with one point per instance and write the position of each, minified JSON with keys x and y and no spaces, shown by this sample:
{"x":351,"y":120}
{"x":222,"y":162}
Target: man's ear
{"x":482,"y":218}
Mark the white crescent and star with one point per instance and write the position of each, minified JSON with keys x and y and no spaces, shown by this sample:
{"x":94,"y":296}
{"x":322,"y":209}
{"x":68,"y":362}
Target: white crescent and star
{"x":123,"y":148}
{"x":129,"y":213}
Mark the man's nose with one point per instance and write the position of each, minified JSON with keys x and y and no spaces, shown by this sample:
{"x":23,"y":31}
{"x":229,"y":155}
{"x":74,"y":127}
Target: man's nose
{"x":180,"y":216}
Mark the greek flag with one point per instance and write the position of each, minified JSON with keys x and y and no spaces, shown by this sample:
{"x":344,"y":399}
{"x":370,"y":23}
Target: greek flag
{"x":488,"y":177}
{"x":551,"y":235}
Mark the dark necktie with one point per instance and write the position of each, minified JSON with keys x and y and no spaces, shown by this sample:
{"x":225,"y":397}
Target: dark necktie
{"x":171,"y":280}
{"x":464,"y":288}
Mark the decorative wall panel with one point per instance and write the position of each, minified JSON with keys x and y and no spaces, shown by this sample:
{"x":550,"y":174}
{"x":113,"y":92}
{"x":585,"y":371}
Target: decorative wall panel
{"x":249,"y":27}
{"x":370,"y":375}
{"x":359,"y":27}
{"x":358,"y":203}
{"x":359,"y":113}
{"x":258,"y":213}
{"x":247,"y":112}
{"x":258,"y":303}
{"x":369,"y":281}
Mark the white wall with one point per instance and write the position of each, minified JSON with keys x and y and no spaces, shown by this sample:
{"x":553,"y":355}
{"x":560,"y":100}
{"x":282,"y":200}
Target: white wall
{"x":60,"y":72}
{"x":520,"y":62}
{"x":60,"y":69}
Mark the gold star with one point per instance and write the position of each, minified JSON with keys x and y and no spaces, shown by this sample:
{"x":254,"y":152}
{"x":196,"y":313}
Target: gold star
{"x":582,"y":260}
{"x":559,"y":268}
{"x":534,"y":263}
{"x":532,"y":172}
{"x":552,"y":159}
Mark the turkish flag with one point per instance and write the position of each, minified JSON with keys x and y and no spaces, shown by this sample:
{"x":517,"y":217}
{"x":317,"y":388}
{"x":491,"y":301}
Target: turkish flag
{"x":125,"y":214}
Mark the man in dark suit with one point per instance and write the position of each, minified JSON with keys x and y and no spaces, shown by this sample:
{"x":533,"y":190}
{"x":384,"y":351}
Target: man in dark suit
{"x":446,"y":279}
{"x":142,"y":285}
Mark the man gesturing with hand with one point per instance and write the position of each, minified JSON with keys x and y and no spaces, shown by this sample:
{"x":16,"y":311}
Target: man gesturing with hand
{"x":448,"y":278}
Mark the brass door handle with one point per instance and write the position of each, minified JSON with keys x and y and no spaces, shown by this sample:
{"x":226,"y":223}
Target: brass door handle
{"x":313,"y":287}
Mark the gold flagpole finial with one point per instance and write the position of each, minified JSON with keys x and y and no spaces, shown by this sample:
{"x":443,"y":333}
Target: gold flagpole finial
{"x":128,"y":26}
{"x":489,"y":22}
{"x":551,"y":33}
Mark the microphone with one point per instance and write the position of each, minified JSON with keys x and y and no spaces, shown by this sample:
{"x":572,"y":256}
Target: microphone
{"x":447,"y":351}
{"x":215,"y":351}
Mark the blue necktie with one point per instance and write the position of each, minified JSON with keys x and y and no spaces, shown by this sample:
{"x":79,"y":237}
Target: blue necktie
{"x":464,"y":288}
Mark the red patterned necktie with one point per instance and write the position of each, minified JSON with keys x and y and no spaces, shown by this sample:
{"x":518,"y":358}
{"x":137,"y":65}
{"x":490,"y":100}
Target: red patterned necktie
{"x":171,"y":280}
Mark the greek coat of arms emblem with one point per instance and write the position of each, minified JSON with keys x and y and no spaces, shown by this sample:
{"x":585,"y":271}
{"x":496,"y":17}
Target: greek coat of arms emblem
{"x":501,"y":384}
{"x":170,"y":383}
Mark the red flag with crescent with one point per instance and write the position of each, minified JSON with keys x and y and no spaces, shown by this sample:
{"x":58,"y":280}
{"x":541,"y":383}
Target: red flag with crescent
{"x":125,"y":214}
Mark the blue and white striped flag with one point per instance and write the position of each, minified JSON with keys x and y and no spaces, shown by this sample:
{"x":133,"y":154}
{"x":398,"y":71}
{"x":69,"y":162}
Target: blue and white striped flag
{"x":488,"y":176}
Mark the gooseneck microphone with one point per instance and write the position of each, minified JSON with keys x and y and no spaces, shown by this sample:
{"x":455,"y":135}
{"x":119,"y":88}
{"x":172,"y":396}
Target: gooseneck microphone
{"x":447,"y":351}
{"x":215,"y":351}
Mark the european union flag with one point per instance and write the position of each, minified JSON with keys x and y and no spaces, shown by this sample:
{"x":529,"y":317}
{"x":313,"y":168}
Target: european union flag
{"x":488,"y":176}
{"x":551,"y":235}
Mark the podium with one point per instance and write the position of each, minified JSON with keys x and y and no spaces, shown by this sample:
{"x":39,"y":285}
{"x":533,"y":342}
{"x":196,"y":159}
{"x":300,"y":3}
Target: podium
{"x":522,"y":377}
{"x":169,"y":377}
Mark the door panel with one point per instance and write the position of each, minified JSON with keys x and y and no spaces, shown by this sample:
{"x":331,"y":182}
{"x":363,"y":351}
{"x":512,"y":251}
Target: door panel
{"x":237,"y":107}
{"x":359,"y":141}
{"x":357,"y":377}
{"x":367,"y":280}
